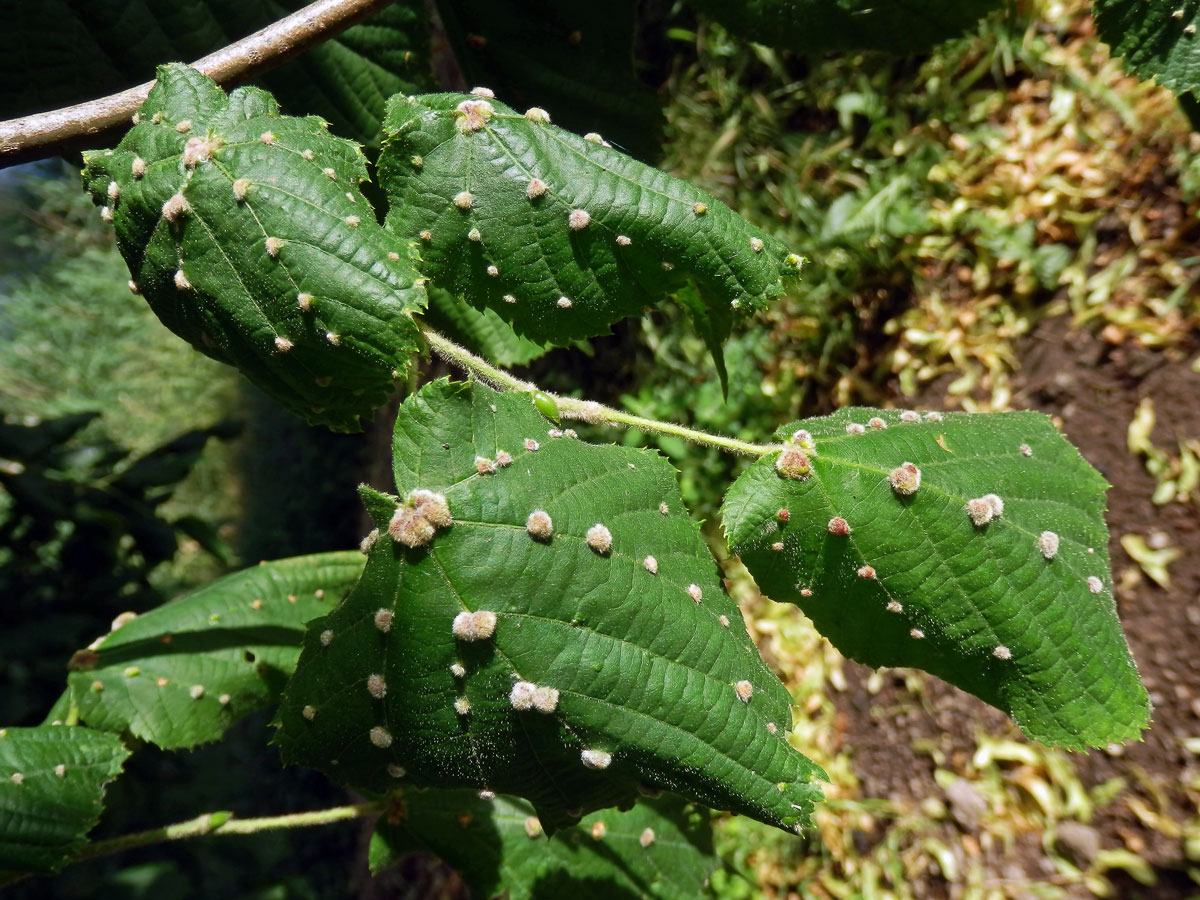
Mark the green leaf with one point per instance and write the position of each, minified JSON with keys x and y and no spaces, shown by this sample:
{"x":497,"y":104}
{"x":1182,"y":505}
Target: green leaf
{"x":897,"y":26}
{"x":980,"y":605}
{"x":1154,"y":40}
{"x":249,"y":236}
{"x":52,"y":782}
{"x":480,"y":330}
{"x":647,"y":678}
{"x":576,"y":59}
{"x":660,"y":849}
{"x":603,"y":238}
{"x":182,"y":673}
{"x":89,"y":48}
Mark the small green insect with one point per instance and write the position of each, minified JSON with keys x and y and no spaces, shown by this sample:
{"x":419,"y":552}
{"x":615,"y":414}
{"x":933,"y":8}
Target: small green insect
{"x":546,"y":405}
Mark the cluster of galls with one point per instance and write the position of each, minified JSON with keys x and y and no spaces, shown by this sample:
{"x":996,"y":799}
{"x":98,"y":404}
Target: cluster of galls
{"x":418,"y":518}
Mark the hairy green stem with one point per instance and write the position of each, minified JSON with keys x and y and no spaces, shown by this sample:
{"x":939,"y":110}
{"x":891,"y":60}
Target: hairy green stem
{"x":220,"y":823}
{"x":584,"y":410}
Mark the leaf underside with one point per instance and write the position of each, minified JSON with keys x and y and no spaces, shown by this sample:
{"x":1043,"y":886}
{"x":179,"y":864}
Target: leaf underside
{"x":641,"y":234}
{"x":898,"y":26}
{"x":56,"y":52}
{"x":1155,"y":40}
{"x":992,"y":614}
{"x":52,"y":782}
{"x":661,"y":849}
{"x":643,"y":671}
{"x":294,"y":283}
{"x":182,"y":673}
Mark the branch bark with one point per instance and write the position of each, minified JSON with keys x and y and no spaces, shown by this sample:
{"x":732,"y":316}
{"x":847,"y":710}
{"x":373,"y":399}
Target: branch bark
{"x":102,"y":120}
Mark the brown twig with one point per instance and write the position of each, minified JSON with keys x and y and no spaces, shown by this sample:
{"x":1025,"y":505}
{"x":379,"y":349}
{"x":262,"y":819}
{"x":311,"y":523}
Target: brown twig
{"x":98,"y":121}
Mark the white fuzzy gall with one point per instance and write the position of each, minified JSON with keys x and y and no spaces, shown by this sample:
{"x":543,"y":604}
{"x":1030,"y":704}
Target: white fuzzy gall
{"x":183,"y":126}
{"x":61,"y":770}
{"x":578,"y":219}
{"x":181,"y":281}
{"x":599,"y":538}
{"x":474,"y":626}
{"x":329,"y":173}
{"x":493,"y":271}
{"x":838,"y":526}
{"x":866,"y":572}
{"x":564,"y":302}
{"x":805,"y":592}
{"x":1047,"y":543}
{"x":487,"y":795}
{"x":623,"y":240}
{"x":240,"y":188}
{"x":139,"y":167}
{"x":539,"y":525}
{"x":664,"y":509}
{"x":531,"y":445}
{"x":772,"y":727}
{"x":777,"y":546}
{"x":995,"y":504}
{"x":916,"y":634}
{"x":18,"y":778}
{"x":646,"y":838}
{"x":793,"y":463}
{"x":596,"y":759}
{"x":267,"y":138}
{"x":326,"y":637}
{"x":521,"y":695}
{"x":474,"y":235}
{"x":383,"y":619}
{"x":533,"y":826}
{"x":651,"y":565}
{"x":535,"y":188}
{"x":308,"y":155}
{"x":396,"y":771}
{"x":894,"y":606}
{"x":905,"y":479}
{"x":133,"y":287}
{"x":933,"y":416}
{"x":282,"y":344}
{"x":855,"y":428}
{"x":381,"y":737}
{"x":114,"y":191}
{"x":458,"y":670}
{"x":176,"y":207}
{"x":485,"y":93}
{"x":462,"y":706}
{"x":537,"y":115}
{"x":352,"y":221}
{"x":980,"y":511}
{"x":877,"y":423}
{"x":273,"y":246}
{"x":1095,"y":585}
{"x":724,"y":620}
{"x":599,"y":830}
{"x":910,"y":416}
{"x":464,"y":200}
{"x":196,"y":691}
{"x":593,"y":137}
{"x":503,"y":459}
{"x":744,"y":690}
{"x":1026,"y":450}
{"x":304,"y":301}
{"x":485,"y":466}
{"x":1002,"y":652}
{"x":376,"y":686}
{"x":545,"y":699}
{"x":694,"y":592}
{"x":106,"y":214}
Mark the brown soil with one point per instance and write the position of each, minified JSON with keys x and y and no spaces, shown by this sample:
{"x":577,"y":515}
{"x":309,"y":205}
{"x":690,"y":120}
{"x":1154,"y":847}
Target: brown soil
{"x":1093,"y":389}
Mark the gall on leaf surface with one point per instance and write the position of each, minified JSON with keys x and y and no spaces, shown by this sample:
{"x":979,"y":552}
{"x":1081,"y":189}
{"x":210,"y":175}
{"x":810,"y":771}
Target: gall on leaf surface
{"x":917,"y":582}
{"x":660,"y":849}
{"x":645,"y":674}
{"x":184,"y":672}
{"x":52,"y":780}
{"x":248,"y":234}
{"x":580,"y":235}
